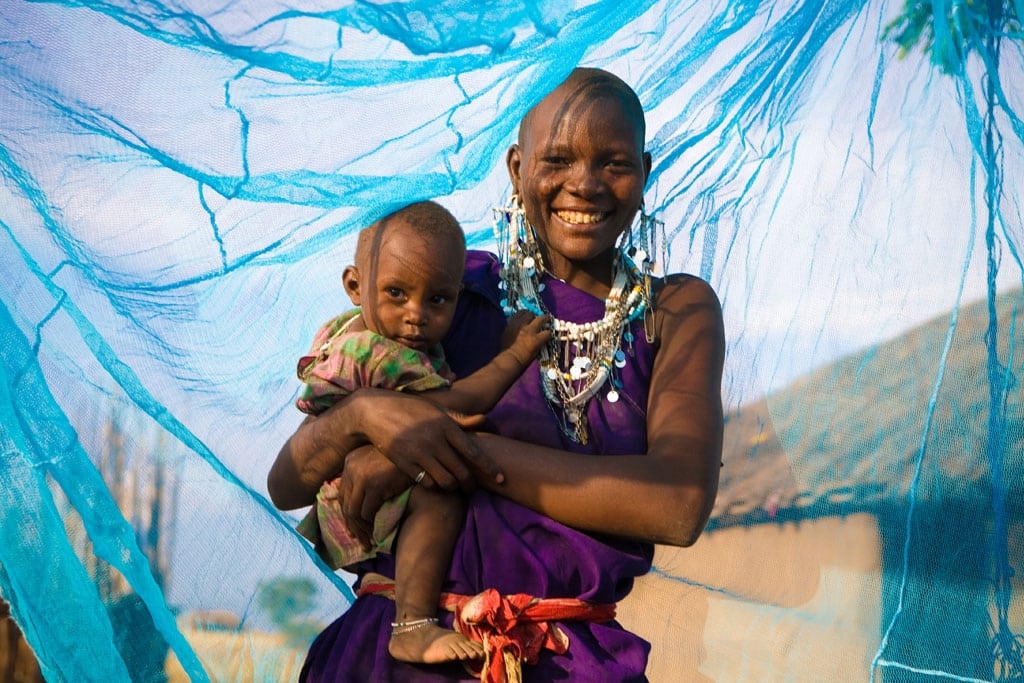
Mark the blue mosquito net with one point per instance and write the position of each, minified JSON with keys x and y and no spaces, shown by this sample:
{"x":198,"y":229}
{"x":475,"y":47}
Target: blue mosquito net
{"x":181,"y":184}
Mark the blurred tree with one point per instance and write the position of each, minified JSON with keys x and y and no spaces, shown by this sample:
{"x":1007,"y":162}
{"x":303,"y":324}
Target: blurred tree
{"x":961,"y":27}
{"x":143,"y":481}
{"x":287,"y":600}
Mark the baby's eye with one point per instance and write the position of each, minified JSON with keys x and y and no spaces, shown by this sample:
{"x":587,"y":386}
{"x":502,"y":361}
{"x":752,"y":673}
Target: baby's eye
{"x":439,"y":299}
{"x":394,"y":292}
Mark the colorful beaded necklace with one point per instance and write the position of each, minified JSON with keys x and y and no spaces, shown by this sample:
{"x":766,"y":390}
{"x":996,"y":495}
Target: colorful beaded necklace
{"x":580,"y":358}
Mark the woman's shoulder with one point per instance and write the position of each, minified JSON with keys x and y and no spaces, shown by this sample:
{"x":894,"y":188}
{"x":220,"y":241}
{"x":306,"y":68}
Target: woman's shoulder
{"x":683,"y":300}
{"x":481,"y":274}
{"x":684,"y":287}
{"x":480,"y":259}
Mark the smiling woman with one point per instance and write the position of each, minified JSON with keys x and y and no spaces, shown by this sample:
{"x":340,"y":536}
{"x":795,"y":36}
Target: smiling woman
{"x":631,"y":373}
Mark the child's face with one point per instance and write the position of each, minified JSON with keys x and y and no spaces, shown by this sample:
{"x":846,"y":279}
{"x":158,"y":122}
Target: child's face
{"x":409,"y":286}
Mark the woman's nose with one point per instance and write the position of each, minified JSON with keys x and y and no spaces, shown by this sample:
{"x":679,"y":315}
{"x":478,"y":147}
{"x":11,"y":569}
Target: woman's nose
{"x":584,"y":180}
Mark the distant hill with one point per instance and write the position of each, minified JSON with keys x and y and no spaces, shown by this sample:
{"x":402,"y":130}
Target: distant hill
{"x":848,"y":437}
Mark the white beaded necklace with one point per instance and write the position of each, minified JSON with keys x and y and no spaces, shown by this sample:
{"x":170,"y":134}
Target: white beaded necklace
{"x":580,"y":358}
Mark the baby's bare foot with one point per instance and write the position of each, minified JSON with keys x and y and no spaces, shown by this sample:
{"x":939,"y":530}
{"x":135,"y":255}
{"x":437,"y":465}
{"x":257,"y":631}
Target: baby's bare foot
{"x":431,"y":644}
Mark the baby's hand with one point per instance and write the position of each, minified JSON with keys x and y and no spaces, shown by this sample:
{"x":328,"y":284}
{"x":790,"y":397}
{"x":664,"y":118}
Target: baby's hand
{"x":525,"y":335}
{"x":331,"y":489}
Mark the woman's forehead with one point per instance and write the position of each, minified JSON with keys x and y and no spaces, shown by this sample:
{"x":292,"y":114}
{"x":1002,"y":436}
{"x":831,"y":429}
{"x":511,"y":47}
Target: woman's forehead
{"x":570,"y":111}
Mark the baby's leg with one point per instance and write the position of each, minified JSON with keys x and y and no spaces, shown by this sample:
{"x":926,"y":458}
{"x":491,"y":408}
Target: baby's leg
{"x":422,"y":554}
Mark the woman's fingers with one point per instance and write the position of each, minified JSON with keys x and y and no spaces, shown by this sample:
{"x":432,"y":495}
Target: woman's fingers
{"x":368,"y":480}
{"x":418,"y":436}
{"x":468,"y":422}
{"x":353,"y":516}
{"x":454,"y":461}
{"x":443,"y":466}
{"x":469,"y":449}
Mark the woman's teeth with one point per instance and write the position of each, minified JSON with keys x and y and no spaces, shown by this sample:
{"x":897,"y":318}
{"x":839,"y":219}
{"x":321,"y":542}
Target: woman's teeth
{"x":579,"y":217}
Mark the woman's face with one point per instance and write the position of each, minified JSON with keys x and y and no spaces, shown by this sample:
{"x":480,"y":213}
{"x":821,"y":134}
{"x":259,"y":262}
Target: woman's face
{"x":579,"y":170}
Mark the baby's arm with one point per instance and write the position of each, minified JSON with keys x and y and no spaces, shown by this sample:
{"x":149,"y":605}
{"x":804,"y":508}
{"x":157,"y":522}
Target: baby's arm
{"x":479,"y":392}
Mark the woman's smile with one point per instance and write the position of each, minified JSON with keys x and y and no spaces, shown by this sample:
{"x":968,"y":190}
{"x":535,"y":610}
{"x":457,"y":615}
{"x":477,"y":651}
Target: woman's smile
{"x":581,"y":217}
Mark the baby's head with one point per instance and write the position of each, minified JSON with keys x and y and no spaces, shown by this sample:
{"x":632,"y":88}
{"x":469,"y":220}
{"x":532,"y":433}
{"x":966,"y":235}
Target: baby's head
{"x":408,"y":273}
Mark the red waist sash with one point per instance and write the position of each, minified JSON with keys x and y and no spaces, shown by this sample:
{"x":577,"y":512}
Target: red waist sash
{"x":512,"y":628}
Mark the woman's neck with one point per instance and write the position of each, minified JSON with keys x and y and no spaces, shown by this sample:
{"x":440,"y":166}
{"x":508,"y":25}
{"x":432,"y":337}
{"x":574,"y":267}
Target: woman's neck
{"x":593,"y":277}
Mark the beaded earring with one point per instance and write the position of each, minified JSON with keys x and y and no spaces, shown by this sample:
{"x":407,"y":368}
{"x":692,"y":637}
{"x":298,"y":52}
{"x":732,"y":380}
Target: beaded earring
{"x":520,"y":258}
{"x":645,"y":251}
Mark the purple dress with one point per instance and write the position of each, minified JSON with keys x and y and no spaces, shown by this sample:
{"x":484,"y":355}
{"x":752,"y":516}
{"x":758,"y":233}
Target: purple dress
{"x":504,"y":545}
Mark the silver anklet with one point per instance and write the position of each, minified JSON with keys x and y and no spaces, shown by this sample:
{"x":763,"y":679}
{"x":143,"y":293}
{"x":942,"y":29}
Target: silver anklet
{"x":400,"y":627}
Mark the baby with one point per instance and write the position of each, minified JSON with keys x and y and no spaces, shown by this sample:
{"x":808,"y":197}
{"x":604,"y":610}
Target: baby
{"x":406,"y":281}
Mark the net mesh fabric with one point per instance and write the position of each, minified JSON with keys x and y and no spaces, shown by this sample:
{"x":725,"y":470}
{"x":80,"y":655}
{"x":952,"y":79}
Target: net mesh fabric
{"x":182,"y":184}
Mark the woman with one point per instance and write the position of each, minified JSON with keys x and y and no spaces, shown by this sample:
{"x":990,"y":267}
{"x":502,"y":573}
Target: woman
{"x":632,"y":374}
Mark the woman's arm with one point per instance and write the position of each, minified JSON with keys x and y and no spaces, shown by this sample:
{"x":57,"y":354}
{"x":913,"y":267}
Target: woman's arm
{"x":667,"y":495}
{"x":312,"y":455}
{"x":413,"y":433}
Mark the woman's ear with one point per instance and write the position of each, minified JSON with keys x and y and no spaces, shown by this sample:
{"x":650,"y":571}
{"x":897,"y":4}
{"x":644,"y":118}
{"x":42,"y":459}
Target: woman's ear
{"x":350,"y":280}
{"x":513,"y":160}
{"x":647,"y":167}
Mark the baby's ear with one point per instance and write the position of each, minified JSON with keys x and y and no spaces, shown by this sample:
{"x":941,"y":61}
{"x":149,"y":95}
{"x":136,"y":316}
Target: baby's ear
{"x":350,"y":280}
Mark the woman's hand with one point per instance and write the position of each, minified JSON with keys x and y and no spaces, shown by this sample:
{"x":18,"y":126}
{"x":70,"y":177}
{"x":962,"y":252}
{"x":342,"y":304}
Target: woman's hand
{"x":368,"y":480}
{"x":418,"y":436}
{"x":412,"y":433}
{"x":412,"y":437}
